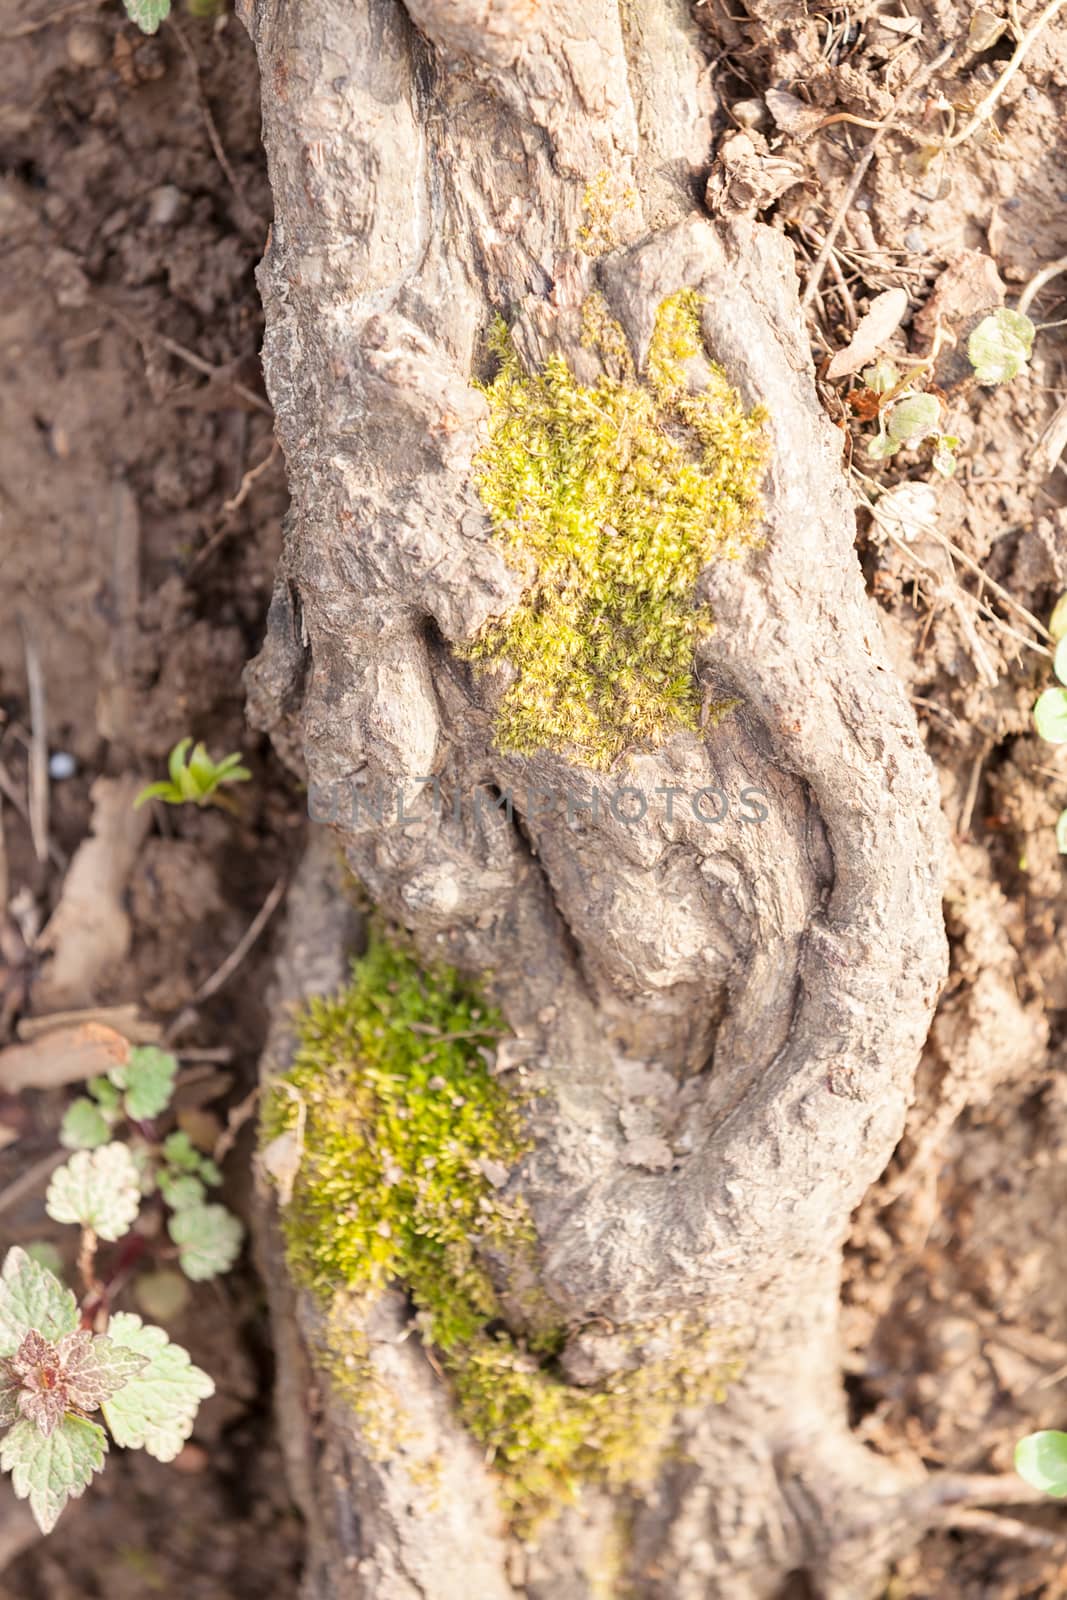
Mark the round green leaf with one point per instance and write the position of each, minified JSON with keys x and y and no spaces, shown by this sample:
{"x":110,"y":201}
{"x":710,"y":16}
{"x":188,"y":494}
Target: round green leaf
{"x":881,"y":377}
{"x":208,"y":1239}
{"x":914,"y":418}
{"x":1041,"y":1460}
{"x":1050,"y":716}
{"x":148,"y":1079}
{"x":180,"y":1151}
{"x":97,"y":1189}
{"x":32,"y":1299}
{"x":84,"y":1126}
{"x":155,"y":1411}
{"x":1000,"y":346}
{"x":181,"y":1190}
{"x":1057,"y":623}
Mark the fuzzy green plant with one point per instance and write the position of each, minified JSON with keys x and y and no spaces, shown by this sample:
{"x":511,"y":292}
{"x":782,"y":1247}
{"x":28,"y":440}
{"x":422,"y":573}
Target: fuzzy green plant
{"x":405,"y":1141}
{"x":613,"y":497}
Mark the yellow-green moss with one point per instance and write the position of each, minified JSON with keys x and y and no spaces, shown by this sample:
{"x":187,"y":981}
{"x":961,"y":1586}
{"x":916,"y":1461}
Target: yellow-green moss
{"x":405,"y":1137}
{"x":602,"y":200}
{"x":615,"y":496}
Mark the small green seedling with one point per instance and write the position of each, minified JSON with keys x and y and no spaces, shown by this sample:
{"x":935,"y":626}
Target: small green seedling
{"x":1050,"y":708}
{"x":1041,"y":1461}
{"x":116,"y":1173}
{"x":56,"y":1369}
{"x":908,"y":420}
{"x":194,"y":779}
{"x":908,"y":415}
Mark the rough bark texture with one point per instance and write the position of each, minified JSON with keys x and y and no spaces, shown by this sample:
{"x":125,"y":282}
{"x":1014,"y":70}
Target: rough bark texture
{"x":727,"y":1018}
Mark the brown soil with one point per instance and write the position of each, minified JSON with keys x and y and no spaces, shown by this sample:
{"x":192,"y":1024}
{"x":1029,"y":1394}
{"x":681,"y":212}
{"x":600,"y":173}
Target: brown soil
{"x":143,"y":596}
{"x":142,"y":590}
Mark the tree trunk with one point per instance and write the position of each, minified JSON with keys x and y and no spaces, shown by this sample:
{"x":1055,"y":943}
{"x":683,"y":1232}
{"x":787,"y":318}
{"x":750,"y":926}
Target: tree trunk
{"x":727,"y":1018}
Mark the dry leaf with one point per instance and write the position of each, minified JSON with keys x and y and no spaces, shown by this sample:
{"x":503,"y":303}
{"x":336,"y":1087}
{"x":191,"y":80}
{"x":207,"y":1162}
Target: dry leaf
{"x":746,"y":177}
{"x":1052,"y":443}
{"x":874,"y":331}
{"x":125,"y":1019}
{"x":89,"y":931}
{"x":793,"y":115}
{"x":908,"y":510}
{"x":66,"y":1055}
{"x":911,"y":26}
{"x":280,"y":1159}
{"x":985,"y":29}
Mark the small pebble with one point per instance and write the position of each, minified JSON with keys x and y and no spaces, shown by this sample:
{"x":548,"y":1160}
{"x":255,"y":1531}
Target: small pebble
{"x":863,"y":203}
{"x":749,"y":113}
{"x":61,"y":766}
{"x":165,"y":205}
{"x":86,"y":46}
{"x":914,"y":241}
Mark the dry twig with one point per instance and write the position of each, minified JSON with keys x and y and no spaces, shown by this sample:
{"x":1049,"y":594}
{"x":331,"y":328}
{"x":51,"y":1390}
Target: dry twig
{"x":225,"y":972}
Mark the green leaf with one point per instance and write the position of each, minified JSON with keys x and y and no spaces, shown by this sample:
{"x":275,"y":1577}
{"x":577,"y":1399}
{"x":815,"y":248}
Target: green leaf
{"x":881,"y":377}
{"x":1050,"y":716}
{"x":1061,"y":833}
{"x":97,"y":1189}
{"x":208,"y":1239}
{"x":50,"y":1469}
{"x":32,"y":1299}
{"x":209,"y":1172}
{"x":914,"y":418}
{"x":176,"y":761}
{"x":1057,"y":623}
{"x":157,"y":791}
{"x":84,"y":1126}
{"x":944,"y":460}
{"x":180,"y":1151}
{"x":97,"y":1368}
{"x":881,"y":447}
{"x":1059,"y":664}
{"x":156,"y":1410}
{"x":104,"y":1093}
{"x":181,"y":1190}
{"x":202,"y":770}
{"x":1000,"y":346}
{"x":148,"y":1079}
{"x":1041,"y":1460}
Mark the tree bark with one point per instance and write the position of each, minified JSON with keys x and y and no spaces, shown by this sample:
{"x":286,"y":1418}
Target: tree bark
{"x":727,"y":1018}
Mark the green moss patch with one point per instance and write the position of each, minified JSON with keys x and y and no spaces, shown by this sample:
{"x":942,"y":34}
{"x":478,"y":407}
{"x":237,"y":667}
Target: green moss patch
{"x":406,"y":1137}
{"x":616,"y":496}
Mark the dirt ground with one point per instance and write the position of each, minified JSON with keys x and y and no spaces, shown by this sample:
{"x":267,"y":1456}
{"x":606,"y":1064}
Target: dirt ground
{"x":140,"y":521}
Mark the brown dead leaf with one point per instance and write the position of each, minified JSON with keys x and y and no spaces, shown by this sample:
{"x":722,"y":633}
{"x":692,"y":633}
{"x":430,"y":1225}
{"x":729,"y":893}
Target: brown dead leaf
{"x":746,"y":177}
{"x":874,"y":331}
{"x":89,"y":931}
{"x":66,"y":1055}
{"x":125,"y":1019}
{"x":864,"y":404}
{"x":793,"y":115}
